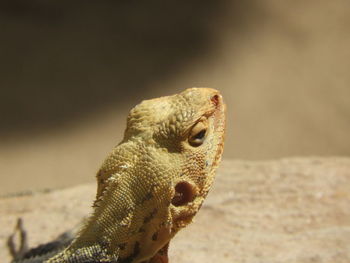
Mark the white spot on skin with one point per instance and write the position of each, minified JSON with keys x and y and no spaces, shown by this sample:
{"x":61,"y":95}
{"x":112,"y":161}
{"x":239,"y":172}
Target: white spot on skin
{"x":112,"y":179}
{"x":124,"y":166}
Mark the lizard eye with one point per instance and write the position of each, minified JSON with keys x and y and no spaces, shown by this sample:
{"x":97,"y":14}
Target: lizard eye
{"x":198,"y":134}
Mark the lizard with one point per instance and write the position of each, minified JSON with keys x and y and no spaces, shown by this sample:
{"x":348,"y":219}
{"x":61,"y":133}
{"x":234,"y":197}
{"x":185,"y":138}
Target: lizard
{"x":151,"y":185}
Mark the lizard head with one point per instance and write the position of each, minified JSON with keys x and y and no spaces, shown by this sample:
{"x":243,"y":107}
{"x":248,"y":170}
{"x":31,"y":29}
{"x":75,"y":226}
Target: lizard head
{"x":155,"y":180}
{"x":186,"y":134}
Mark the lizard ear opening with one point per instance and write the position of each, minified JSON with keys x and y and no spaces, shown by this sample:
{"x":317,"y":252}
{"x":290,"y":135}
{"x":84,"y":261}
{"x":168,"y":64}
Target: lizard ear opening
{"x":184,"y":193}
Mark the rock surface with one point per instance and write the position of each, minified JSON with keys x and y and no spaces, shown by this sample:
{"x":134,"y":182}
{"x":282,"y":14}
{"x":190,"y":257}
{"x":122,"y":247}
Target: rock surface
{"x":289,"y":210}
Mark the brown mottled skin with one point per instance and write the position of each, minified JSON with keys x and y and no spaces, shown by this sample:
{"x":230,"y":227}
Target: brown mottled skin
{"x":153,"y":182}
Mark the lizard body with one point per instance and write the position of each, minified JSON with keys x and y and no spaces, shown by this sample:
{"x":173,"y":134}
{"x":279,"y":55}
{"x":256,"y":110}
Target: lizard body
{"x":153,"y":182}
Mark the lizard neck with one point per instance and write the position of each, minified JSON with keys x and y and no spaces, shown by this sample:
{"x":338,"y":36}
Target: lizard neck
{"x":93,"y":242}
{"x":109,"y":225}
{"x":124,"y":226}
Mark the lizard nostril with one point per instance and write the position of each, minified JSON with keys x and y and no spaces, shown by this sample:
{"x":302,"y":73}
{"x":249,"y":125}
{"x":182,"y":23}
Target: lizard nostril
{"x":215,"y":100}
{"x":184,"y":193}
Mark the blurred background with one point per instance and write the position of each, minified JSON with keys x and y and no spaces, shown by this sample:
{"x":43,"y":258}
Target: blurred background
{"x":71,"y":71}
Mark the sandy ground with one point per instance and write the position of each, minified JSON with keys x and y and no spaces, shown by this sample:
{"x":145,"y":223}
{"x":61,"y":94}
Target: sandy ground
{"x":71,"y":72}
{"x":286,"y":211}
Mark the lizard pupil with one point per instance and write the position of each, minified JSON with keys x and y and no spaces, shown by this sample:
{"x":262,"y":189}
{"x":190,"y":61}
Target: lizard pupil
{"x":200,"y":135}
{"x":198,"y":138}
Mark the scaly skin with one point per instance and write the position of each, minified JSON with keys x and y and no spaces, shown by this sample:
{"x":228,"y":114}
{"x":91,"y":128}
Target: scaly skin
{"x":154,"y":182}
